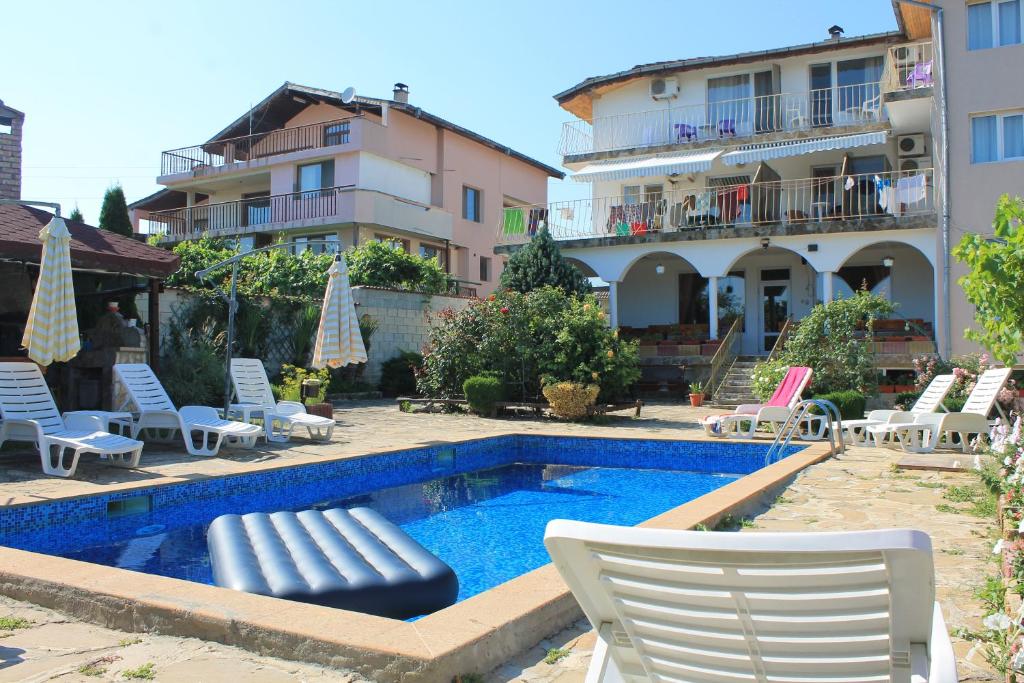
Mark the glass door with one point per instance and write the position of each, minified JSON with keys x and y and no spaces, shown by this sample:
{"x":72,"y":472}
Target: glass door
{"x":775,"y":307}
{"x":821,"y":95}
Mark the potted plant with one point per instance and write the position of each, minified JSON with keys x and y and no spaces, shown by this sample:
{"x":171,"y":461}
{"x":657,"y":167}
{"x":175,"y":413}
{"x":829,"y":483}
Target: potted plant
{"x":696,"y":394}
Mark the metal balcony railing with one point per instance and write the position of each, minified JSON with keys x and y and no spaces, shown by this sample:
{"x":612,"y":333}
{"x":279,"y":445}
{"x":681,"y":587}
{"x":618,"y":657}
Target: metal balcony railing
{"x":838,"y":106}
{"x":257,"y":146}
{"x":908,"y":67}
{"x":894,"y":194}
{"x":233,"y":217}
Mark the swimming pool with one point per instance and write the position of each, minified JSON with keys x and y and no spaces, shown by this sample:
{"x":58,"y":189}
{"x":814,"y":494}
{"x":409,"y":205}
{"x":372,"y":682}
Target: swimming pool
{"x":481,"y":506}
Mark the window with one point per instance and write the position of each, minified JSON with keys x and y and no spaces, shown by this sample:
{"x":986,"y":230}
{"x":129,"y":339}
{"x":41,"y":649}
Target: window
{"x":857,"y":81}
{"x":402,"y":244}
{"x":471,"y":204}
{"x":729,"y":103}
{"x":432,"y":251}
{"x":991,"y":24}
{"x":325,"y":243}
{"x":310,"y":178}
{"x":996,"y":137}
{"x":485,"y":269}
{"x":6,"y":125}
{"x":336,"y":133}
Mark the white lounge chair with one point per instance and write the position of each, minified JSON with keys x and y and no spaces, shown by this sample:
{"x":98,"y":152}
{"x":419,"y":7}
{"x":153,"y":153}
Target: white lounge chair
{"x":146,"y":396}
{"x":29,"y":414}
{"x":930,"y":430}
{"x":744,"y":420}
{"x":929,"y":401}
{"x":254,"y":395}
{"x":701,"y":606}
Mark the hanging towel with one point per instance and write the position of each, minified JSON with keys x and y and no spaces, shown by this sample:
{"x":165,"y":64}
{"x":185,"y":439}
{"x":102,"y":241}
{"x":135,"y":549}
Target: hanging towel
{"x":911,"y":189}
{"x":514,"y":223}
{"x":849,"y":183}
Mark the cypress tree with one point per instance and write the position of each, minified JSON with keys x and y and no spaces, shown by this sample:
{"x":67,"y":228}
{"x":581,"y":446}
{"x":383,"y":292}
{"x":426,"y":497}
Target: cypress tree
{"x":114,"y":212}
{"x":541,"y":263}
{"x":76,"y":215}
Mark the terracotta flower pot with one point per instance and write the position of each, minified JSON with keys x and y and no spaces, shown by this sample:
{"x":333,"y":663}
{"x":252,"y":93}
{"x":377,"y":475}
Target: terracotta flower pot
{"x":696,"y":400}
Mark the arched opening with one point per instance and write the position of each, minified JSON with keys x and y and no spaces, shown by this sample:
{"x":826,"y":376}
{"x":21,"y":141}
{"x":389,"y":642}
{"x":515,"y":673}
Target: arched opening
{"x":583,"y":267}
{"x":662,"y":289}
{"x":771,"y":285}
{"x":902,"y":274}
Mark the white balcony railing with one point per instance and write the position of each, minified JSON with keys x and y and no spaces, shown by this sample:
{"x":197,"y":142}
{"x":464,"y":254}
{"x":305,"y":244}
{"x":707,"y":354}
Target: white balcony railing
{"x":908,"y":67}
{"x":839,"y":106}
{"x":893,"y":195}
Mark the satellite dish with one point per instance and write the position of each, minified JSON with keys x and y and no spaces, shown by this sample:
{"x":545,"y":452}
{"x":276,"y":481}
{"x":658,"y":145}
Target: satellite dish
{"x":347,"y":95}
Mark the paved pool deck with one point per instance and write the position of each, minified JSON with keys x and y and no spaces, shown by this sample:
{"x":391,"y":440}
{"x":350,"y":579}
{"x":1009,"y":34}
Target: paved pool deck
{"x":858,"y":490}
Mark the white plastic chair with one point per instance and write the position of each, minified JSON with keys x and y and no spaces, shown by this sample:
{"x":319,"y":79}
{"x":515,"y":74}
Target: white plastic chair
{"x":701,"y":606}
{"x":930,"y":430}
{"x":29,"y":414}
{"x":254,"y":395}
{"x":146,"y":396}
{"x":929,"y":401}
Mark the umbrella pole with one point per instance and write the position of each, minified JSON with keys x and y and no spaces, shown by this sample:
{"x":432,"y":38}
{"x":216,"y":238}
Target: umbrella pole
{"x":232,"y":307}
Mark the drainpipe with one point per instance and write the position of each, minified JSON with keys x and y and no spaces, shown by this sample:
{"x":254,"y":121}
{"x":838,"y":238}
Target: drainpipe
{"x":940,"y":64}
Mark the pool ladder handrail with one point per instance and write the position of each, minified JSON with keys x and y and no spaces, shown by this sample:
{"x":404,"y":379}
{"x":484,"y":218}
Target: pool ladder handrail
{"x":792,"y":423}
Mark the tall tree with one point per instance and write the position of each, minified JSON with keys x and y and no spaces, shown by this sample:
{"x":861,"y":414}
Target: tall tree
{"x":76,"y":215}
{"x":114,"y":212}
{"x":541,"y":263}
{"x":995,"y":283}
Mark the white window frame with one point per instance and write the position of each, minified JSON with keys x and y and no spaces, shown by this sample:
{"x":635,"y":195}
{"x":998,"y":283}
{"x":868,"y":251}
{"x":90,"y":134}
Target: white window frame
{"x":1000,"y":150}
{"x":995,"y":28}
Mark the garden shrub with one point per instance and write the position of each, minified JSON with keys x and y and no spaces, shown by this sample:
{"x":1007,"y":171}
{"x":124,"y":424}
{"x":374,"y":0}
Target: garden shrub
{"x":965,"y":370}
{"x":380,"y":264}
{"x":482,"y":393}
{"x":850,"y":403}
{"x":398,"y":374}
{"x":192,"y":366}
{"x":541,"y":264}
{"x":570,"y":400}
{"x":522,"y":338}
{"x":827,"y":340}
{"x":905,"y":400}
{"x":290,"y":388}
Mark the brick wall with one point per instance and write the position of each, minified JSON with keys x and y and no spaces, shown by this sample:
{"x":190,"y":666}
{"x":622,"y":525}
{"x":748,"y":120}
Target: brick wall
{"x":10,"y":153}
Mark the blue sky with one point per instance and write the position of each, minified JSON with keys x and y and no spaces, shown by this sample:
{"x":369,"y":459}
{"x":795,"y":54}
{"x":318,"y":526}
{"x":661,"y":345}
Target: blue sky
{"x":105,"y":91}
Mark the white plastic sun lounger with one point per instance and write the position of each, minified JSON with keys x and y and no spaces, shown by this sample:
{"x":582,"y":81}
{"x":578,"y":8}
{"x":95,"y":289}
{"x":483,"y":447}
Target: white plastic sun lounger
{"x":930,"y":430}
{"x":146,"y":396}
{"x":703,"y":606}
{"x":929,"y":401}
{"x":253,"y":393}
{"x":29,"y":414}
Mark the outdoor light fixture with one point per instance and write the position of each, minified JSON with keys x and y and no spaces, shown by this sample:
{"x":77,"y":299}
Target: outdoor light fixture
{"x":765,"y":241}
{"x":888,"y":261}
{"x":659,"y":269}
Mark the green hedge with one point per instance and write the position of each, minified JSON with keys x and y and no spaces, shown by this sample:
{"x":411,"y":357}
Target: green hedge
{"x":482,"y":393}
{"x":397,"y":376}
{"x":906,"y":399}
{"x":850,"y":403}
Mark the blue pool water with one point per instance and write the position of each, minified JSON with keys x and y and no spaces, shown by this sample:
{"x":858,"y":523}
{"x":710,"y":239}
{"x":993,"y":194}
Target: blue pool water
{"x":480,"y":506}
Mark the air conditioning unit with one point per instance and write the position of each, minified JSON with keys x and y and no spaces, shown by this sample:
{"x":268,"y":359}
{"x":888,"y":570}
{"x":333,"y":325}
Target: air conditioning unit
{"x":911,"y":145}
{"x":910,"y":165}
{"x":664,"y":88}
{"x":905,"y":55}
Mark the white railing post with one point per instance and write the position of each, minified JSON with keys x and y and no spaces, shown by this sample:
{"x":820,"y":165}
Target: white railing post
{"x":613,"y":304}
{"x":713,"y":307}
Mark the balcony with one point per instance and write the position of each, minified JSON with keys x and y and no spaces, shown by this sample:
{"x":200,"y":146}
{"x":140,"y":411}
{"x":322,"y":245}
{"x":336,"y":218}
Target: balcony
{"x":850,"y":105}
{"x":820,"y":204}
{"x":298,"y":210}
{"x":908,"y":68}
{"x":258,"y":146}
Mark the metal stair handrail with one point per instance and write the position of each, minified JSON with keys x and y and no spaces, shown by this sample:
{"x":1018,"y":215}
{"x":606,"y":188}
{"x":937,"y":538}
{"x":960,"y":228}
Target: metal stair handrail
{"x":785,"y":434}
{"x":723,"y":355}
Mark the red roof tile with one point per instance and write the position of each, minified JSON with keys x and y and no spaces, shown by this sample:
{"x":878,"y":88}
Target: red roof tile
{"x":91,"y":248}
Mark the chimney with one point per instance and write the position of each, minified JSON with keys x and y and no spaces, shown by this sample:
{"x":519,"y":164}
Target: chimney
{"x":835,"y":32}
{"x":401,"y":93}
{"x":11,"y":121}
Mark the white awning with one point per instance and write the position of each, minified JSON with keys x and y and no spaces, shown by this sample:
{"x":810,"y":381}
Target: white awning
{"x":661,"y":164}
{"x":789,"y":148}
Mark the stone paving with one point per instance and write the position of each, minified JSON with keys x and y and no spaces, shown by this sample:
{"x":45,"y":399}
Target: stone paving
{"x":859,"y":490}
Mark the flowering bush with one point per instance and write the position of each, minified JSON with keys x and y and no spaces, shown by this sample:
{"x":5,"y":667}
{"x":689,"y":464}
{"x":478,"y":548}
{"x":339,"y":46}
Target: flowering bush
{"x":570,"y":399}
{"x":524,"y":338}
{"x":965,"y":370}
{"x":766,"y":376}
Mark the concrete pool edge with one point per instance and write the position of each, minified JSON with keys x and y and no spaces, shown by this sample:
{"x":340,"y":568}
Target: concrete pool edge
{"x":475,"y":635}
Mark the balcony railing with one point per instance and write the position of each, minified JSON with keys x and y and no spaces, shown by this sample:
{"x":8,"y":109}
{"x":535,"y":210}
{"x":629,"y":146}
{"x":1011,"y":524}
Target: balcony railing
{"x":893,"y":194}
{"x":908,"y":67}
{"x":825,"y":108}
{"x":257,"y":146}
{"x":233,"y":217}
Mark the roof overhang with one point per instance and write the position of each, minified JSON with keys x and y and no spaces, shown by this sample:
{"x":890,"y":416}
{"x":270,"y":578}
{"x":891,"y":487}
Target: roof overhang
{"x":789,"y":148}
{"x":914,"y":21}
{"x":660,"y":164}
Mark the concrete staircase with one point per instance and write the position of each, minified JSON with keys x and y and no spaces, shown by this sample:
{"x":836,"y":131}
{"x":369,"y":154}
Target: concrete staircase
{"x":736,"y":388}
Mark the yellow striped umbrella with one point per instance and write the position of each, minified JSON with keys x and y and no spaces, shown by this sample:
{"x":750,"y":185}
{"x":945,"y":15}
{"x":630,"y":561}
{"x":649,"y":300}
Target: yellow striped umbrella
{"x":51,"y":333}
{"x":338,"y":341}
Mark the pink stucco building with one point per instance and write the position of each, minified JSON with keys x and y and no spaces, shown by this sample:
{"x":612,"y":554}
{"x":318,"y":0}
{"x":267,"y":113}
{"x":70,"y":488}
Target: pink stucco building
{"x":309,"y":167}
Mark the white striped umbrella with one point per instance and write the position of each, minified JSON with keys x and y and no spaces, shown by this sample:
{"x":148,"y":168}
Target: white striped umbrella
{"x":51,"y":333}
{"x":338,"y":340}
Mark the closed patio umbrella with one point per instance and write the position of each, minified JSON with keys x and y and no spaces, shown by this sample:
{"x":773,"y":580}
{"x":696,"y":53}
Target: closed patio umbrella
{"x":51,"y":333}
{"x":338,"y":340}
